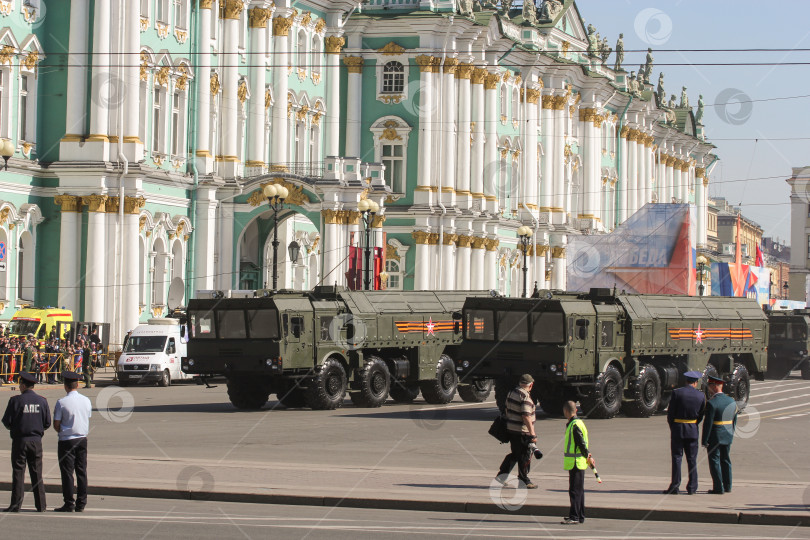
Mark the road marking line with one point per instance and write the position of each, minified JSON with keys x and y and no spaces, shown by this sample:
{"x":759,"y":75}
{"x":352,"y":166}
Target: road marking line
{"x":453,"y":406}
{"x":782,"y":392}
{"x":782,"y":408}
{"x":778,"y":414}
{"x":757,"y":403}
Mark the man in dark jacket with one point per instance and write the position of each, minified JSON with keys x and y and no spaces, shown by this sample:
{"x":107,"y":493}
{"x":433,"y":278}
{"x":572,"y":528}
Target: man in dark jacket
{"x":685,"y":412}
{"x":718,"y":432}
{"x":27,"y":417}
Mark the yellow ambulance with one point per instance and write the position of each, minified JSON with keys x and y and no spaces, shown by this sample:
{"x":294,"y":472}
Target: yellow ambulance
{"x":37,"y":321}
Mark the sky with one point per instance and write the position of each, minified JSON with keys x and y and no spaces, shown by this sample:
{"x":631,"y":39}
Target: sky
{"x":746,"y":106}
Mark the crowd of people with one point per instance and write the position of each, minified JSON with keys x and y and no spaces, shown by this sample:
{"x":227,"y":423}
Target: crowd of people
{"x":46,"y":359}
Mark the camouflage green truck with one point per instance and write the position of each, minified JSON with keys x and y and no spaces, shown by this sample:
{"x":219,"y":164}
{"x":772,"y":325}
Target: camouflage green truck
{"x":312,"y":348}
{"x":612,"y":352}
{"x":789,"y":341}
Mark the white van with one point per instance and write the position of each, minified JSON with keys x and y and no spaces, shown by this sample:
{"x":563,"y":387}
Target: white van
{"x":152,"y":354}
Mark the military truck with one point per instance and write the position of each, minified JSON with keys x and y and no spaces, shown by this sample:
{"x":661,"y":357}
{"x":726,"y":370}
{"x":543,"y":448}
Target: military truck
{"x":612,"y":352}
{"x":788,"y":343}
{"x":311,"y":348}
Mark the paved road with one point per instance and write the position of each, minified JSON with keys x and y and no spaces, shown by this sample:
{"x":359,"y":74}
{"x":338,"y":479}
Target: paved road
{"x":171,"y":519}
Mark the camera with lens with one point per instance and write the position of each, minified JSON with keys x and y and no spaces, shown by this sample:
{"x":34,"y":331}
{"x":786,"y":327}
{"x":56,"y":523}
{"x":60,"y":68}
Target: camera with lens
{"x":536,"y":451}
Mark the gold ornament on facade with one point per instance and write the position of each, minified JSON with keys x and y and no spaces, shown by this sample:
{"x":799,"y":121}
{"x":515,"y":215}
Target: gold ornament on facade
{"x":464,"y":71}
{"x":162,"y":30}
{"x":320,"y":26}
{"x":598,"y":119}
{"x":232,"y":9}
{"x":548,"y":102}
{"x":700,"y":172}
{"x":144,"y":65}
{"x":281,"y":26}
{"x":242,"y":91}
{"x":69,"y":203}
{"x":559,"y":102}
{"x":4,"y":215}
{"x":449,"y":239}
{"x":330,"y":217}
{"x":586,"y":114}
{"x":516,"y":154}
{"x":624,"y":132}
{"x":31,"y":59}
{"x":258,"y":17}
{"x":316,"y":118}
{"x":565,"y":47}
{"x":133,"y":205}
{"x":306,"y":18}
{"x":477,"y":242}
{"x":478,"y":75}
{"x":506,"y":76}
{"x":180,"y":35}
{"x":548,"y":275}
{"x":541,"y":250}
{"x":450,"y":66}
{"x":354,"y":64}
{"x":388,"y":99}
{"x":433,"y":239}
{"x":333,"y":44}
{"x":420,"y":237}
{"x":425,"y":63}
{"x":391,"y":49}
{"x":295,"y":195}
{"x":301,"y":114}
{"x":532,"y":95}
{"x":268,"y":99}
{"x":391,"y":253}
{"x":390,"y":131}
{"x":377,"y":221}
{"x":214,"y":84}
{"x":492,"y":244}
{"x":557,"y":252}
{"x":491,"y":81}
{"x":144,"y":24}
{"x":463,"y":241}
{"x":95,"y":203}
{"x":141,"y":223}
{"x":206,"y":4}
{"x":182,"y":81}
{"x":5,"y":54}
{"x":162,"y":76}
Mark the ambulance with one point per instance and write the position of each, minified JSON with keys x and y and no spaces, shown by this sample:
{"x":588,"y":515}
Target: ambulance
{"x":37,"y":321}
{"x":152,"y":354}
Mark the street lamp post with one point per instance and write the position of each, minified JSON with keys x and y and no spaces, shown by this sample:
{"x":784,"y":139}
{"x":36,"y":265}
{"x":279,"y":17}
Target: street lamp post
{"x":701,"y":268}
{"x":368,"y":209}
{"x":6,"y":151}
{"x":275,"y":197}
{"x":524,"y":233}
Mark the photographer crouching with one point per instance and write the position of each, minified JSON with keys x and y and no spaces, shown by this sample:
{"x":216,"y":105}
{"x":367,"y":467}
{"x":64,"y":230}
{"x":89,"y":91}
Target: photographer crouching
{"x":520,"y":417}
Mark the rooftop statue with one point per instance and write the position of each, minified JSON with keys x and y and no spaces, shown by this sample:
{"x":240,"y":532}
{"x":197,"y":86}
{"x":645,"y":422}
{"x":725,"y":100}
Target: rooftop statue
{"x":506,"y":5}
{"x":648,"y":66}
{"x":672,"y":103}
{"x":465,"y":8}
{"x":619,"y":53}
{"x":699,"y":113}
{"x":529,"y":12}
{"x":684,"y":99}
{"x":662,"y":95}
{"x":593,"y":43}
{"x":605,"y":50}
{"x":632,"y":84}
{"x":550,"y":9}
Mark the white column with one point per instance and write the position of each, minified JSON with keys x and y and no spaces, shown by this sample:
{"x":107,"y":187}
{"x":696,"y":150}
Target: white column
{"x":330,"y":274}
{"x":477,"y":256}
{"x":622,"y":186}
{"x":463,"y":264}
{"x":354,"y":105}
{"x":643,"y":174}
{"x":230,"y":83}
{"x":102,"y":62}
{"x":558,"y":173}
{"x":132,"y":96}
{"x":76,"y":108}
{"x":479,"y":118}
{"x":204,"y":238}
{"x":632,"y":173}
{"x":95,"y":268}
{"x":463,"y":74}
{"x":333,"y":47}
{"x":491,"y":265}
{"x":529,"y":180}
{"x":256,"y":117}
{"x":702,"y":187}
{"x":204,"y":157}
{"x":426,"y":119}
{"x":448,"y":129}
{"x":448,"y":274}
{"x":422,"y":264}
{"x":539,"y":267}
{"x":678,"y":180}
{"x":547,"y":181}
{"x":491,"y":158}
{"x":280,"y":143}
{"x":591,"y":146}
{"x":132,"y":263}
{"x":671,"y":187}
{"x":69,"y":237}
{"x":558,"y":280}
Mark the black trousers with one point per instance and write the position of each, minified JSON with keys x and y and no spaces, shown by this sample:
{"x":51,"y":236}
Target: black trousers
{"x":679,"y":447}
{"x":519,"y":444}
{"x":73,"y":457}
{"x":29,"y":452}
{"x":576,"y":494}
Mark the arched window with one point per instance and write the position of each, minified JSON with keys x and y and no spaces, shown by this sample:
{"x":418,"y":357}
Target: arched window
{"x":158,"y":119}
{"x":178,"y":261}
{"x":394,"y":271}
{"x":391,"y":149}
{"x":314,"y":147}
{"x":393,"y":78}
{"x":159,"y":277}
{"x":300,"y":142}
{"x":515,"y":105}
{"x":180,"y":14}
{"x":25,"y":111}
{"x":316,"y":55}
{"x":504,"y":104}
{"x":25,"y":267}
{"x":3,"y":270}
{"x":302,"y":50}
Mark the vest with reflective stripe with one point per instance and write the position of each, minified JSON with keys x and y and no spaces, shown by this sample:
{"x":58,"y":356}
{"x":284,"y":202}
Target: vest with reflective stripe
{"x":571,"y":456}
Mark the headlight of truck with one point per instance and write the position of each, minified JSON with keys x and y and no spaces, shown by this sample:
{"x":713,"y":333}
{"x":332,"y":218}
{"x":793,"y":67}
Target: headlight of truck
{"x":191,"y":361}
{"x":552,"y":367}
{"x":154,"y":367}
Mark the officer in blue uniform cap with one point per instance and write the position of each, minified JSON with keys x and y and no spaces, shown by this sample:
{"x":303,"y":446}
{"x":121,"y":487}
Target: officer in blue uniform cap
{"x":27,"y":417}
{"x":718,"y":432}
{"x":685,"y":412}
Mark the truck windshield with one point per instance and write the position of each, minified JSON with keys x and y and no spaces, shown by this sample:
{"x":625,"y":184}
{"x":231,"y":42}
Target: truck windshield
{"x":513,"y":326}
{"x":202,"y":324}
{"x":480,"y":324}
{"x":231,"y":323}
{"x":145,"y":344}
{"x":20,"y":327}
{"x":548,"y":327}
{"x":263,"y":323}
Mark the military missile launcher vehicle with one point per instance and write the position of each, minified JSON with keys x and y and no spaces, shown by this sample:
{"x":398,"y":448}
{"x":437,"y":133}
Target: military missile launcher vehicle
{"x":612,"y":352}
{"x":789,"y":341}
{"x":311,"y":348}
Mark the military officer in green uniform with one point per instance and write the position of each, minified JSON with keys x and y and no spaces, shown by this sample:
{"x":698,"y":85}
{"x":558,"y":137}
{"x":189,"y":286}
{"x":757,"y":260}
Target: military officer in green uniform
{"x":718,"y":432}
{"x":28,"y":354}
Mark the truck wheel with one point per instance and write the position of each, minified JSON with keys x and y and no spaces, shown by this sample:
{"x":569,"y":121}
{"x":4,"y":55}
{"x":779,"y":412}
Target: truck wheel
{"x":327,"y":389}
{"x":502,"y":389}
{"x":442,"y":389}
{"x":375,"y":381}
{"x":165,"y":379}
{"x":247,"y":393}
{"x":402,"y":392}
{"x":644,"y":393}
{"x":605,"y":398}
{"x":291,"y":396}
{"x":663,"y":403}
{"x":709,"y":371}
{"x":739,"y":387}
{"x":806,"y":370}
{"x":477,"y":391}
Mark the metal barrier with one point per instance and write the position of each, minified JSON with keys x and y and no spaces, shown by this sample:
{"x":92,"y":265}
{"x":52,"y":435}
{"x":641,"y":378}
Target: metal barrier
{"x":49,"y":366}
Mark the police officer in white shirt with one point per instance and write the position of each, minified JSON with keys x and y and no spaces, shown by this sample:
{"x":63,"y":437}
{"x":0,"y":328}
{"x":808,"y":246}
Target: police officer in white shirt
{"x":71,"y":419}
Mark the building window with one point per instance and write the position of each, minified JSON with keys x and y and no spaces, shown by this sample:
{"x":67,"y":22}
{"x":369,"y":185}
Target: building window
{"x":23,"y":112}
{"x":808,"y":247}
{"x":391,"y":149}
{"x":157,"y":121}
{"x":393,"y":157}
{"x":393,"y":78}
{"x":180,"y":14}
{"x":144,"y":112}
{"x":316,"y":55}
{"x":515,"y":105}
{"x":176,"y":150}
{"x":145,"y":8}
{"x":504,"y":104}
{"x":215,"y":20}
{"x":314,"y":146}
{"x":393,"y":268}
{"x":301,"y":53}
{"x":162,"y":13}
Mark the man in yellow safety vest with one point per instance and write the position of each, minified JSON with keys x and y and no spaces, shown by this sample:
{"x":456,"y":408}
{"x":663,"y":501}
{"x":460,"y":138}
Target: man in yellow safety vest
{"x":576,"y":459}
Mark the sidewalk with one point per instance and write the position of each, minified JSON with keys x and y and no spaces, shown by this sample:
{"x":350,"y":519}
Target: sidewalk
{"x":101,"y":378}
{"x":627,"y":497}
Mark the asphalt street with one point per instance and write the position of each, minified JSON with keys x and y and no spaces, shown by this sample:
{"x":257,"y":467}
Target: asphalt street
{"x":172,"y":519}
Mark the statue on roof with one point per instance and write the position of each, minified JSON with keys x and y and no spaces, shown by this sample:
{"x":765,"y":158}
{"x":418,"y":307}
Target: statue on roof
{"x":672,"y":102}
{"x":662,"y":95}
{"x":619,"y":53}
{"x":684,"y":99}
{"x":700,"y":111}
{"x":550,"y":9}
{"x":529,"y":12}
{"x":465,"y":8}
{"x":605,"y":50}
{"x":648,"y":67}
{"x":632,"y":84}
{"x":593,"y":43}
{"x":506,"y":5}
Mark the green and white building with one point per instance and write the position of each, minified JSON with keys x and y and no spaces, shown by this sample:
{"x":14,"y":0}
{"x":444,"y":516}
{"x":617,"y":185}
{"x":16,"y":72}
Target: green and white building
{"x":144,"y":133}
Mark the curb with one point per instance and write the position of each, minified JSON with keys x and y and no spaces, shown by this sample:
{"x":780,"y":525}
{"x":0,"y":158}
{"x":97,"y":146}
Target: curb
{"x":634,"y":514}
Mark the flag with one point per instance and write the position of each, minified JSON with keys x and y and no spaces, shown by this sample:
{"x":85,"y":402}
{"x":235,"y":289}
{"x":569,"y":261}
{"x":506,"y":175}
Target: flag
{"x":760,"y":260}
{"x":378,"y":266}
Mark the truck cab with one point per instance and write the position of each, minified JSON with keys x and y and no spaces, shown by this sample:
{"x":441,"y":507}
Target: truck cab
{"x":152,"y":354}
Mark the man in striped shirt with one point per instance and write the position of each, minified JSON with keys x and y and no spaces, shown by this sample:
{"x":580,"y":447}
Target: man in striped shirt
{"x":520,"y":416}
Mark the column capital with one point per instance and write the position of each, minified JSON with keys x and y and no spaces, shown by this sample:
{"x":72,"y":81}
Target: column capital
{"x":425,"y":63}
{"x":281,"y":26}
{"x":259,"y":17}
{"x":95,"y":203}
{"x":478,"y":75}
{"x":558,"y":252}
{"x":491,"y":81}
{"x":69,"y":203}
{"x":449,"y":239}
{"x":232,"y":9}
{"x":492,"y":244}
{"x":133,"y":205}
{"x":700,"y":172}
{"x":450,"y":65}
{"x":377,"y":222}
{"x":420,"y":237}
{"x":464,"y":71}
{"x":330,"y":217}
{"x":206,"y":4}
{"x":334,"y":44}
{"x":477,"y":242}
{"x":532,"y":95}
{"x":354,"y":63}
{"x":464,"y":241}
{"x":541,"y":250}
